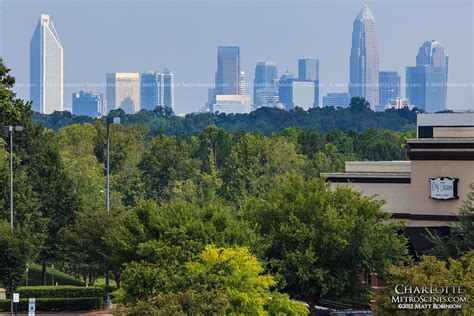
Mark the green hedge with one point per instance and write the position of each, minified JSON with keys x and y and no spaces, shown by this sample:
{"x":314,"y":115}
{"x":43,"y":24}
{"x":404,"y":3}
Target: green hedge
{"x":64,"y":291}
{"x":57,"y":304}
{"x":34,"y":276}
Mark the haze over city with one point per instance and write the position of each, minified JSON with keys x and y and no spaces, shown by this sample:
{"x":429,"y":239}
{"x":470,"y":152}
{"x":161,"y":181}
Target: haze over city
{"x":104,"y":36}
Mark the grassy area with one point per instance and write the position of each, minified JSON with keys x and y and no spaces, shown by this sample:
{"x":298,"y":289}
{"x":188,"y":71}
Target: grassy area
{"x":61,"y":278}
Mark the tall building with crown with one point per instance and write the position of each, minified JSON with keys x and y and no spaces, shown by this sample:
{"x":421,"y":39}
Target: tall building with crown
{"x":364,"y":60}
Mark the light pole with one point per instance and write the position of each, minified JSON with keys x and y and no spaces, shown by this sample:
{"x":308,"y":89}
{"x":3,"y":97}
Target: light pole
{"x":10,"y":129}
{"x":114,"y":121}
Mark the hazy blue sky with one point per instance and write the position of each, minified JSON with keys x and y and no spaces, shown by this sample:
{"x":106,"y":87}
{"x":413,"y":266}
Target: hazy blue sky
{"x":114,"y":36}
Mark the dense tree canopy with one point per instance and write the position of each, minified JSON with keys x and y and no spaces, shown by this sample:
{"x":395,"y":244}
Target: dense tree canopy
{"x":267,"y":120}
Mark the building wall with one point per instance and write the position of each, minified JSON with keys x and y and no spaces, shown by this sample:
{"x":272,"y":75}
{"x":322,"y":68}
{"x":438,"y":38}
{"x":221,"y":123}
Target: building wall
{"x":395,"y":194}
{"x":422,"y":170}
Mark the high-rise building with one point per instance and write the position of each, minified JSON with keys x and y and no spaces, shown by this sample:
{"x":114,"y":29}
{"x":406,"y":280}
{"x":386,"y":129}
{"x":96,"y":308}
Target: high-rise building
{"x":364,"y":60}
{"x":242,"y":83}
{"x":46,"y":68}
{"x":151,"y":90}
{"x":389,"y":82}
{"x":123,"y":91}
{"x":432,"y":53}
{"x":265,"y":88}
{"x":157,"y":89}
{"x":426,"y":88}
{"x":337,"y":99}
{"x":232,"y":104}
{"x":89,"y":103}
{"x":168,"y":89}
{"x":228,"y":70}
{"x":308,"y":69}
{"x":427,"y":83}
{"x":296,"y":93}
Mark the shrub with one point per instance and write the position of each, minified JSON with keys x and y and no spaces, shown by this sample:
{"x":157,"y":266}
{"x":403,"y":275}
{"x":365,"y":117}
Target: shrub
{"x":57,"y":304}
{"x":65,"y":291}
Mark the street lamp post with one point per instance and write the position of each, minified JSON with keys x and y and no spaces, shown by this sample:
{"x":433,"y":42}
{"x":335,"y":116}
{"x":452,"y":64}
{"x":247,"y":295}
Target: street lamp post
{"x":114,"y":121}
{"x":10,"y":129}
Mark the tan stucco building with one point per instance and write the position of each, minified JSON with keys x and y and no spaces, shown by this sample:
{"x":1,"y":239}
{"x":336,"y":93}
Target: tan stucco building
{"x":426,"y":191}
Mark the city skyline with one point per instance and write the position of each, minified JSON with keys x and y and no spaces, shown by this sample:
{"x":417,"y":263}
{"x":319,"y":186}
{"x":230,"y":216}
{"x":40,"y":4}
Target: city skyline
{"x":191,"y":88}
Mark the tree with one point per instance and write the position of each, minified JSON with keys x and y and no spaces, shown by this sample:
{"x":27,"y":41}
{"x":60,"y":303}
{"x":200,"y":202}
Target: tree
{"x":228,"y":281}
{"x":167,"y":161}
{"x":15,"y":252}
{"x":87,"y":252}
{"x":320,"y":239}
{"x":153,"y":242}
{"x":430,"y":272}
{"x":461,"y":238}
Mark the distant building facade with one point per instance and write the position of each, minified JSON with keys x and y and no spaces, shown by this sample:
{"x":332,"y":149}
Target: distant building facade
{"x":426,"y":84}
{"x":232,"y":104}
{"x":265,"y":86}
{"x":123,"y":91}
{"x":398,"y":104}
{"x":157,"y":89}
{"x":46,"y":68}
{"x":308,"y":70}
{"x":337,"y":99}
{"x":389,"y":82}
{"x":242,"y":83}
{"x":296,"y":93}
{"x":89,"y":103}
{"x":228,"y":75}
{"x":364,"y":60}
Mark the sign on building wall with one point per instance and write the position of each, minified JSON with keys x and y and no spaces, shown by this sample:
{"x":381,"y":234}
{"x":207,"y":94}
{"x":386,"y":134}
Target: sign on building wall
{"x":443,"y":188}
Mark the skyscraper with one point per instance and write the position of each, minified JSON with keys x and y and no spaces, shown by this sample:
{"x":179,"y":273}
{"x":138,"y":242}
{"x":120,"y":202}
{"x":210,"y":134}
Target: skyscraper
{"x":168,"y":89}
{"x":427,"y":82}
{"x":151,"y":90}
{"x":157,"y":89}
{"x":264,"y":85}
{"x":123,"y":91}
{"x":364,"y":60}
{"x":389,"y":82}
{"x":228,"y":70}
{"x":242,"y":83}
{"x":296,"y":93}
{"x":46,"y":68}
{"x":89,"y":103}
{"x":308,"y":70}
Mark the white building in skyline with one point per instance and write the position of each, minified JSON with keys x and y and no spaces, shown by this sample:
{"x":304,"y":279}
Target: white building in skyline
{"x":46,"y":68}
{"x":232,"y":104}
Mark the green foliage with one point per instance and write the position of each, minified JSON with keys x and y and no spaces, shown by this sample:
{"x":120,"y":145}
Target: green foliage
{"x":58,"y":304}
{"x":61,"y":278}
{"x":280,"y":304}
{"x":430,"y":272}
{"x":166,"y":162}
{"x":266,"y":120}
{"x":238,"y":273}
{"x":15,"y":252}
{"x":155,"y":241}
{"x":319,"y":239}
{"x":85,"y":242}
{"x":196,"y":301}
{"x":62,"y":291}
{"x":228,"y":281}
